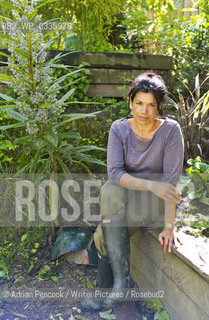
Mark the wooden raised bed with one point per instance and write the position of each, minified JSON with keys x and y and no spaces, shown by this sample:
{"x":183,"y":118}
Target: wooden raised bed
{"x":110,"y":70}
{"x":183,"y":275}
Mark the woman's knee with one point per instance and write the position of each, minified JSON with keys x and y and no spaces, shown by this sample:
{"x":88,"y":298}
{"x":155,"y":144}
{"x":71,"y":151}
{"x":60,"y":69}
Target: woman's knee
{"x":111,"y":190}
{"x":112,"y":198}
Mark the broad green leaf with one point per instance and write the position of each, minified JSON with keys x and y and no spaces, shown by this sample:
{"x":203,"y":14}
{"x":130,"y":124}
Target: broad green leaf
{"x":67,"y":95}
{"x":70,"y":134}
{"x":9,"y":38}
{"x":70,"y":84}
{"x":55,"y":279}
{"x":78,"y":316}
{"x":5,"y":78}
{"x":89,"y":148}
{"x":50,"y":150}
{"x":80,"y":115}
{"x":48,"y":166}
{"x":10,"y":126}
{"x":54,"y":65}
{"x":197,"y":180}
{"x":58,"y":56}
{"x":6,"y":55}
{"x":5,"y":97}
{"x":6,"y":18}
{"x":204,"y":200}
{"x":76,"y":116}
{"x":81,"y":102}
{"x":5,"y":144}
{"x":97,"y":161}
{"x":204,"y":167}
{"x":63,"y":166}
{"x":87,"y":158}
{"x":82,"y":156}
{"x":194,"y":195}
{"x":52,"y":138}
{"x":48,"y":44}
{"x":24,"y":237}
{"x":44,"y":105}
{"x":41,"y":171}
{"x":24,"y":169}
{"x":22,"y":140}
{"x":8,"y":106}
{"x":35,"y":162}
{"x":107,"y":315}
{"x":2,"y":274}
{"x":16,"y":115}
{"x":61,"y":79}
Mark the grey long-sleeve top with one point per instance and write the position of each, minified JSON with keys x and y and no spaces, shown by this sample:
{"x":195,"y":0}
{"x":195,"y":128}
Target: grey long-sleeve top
{"x":160,"y":157}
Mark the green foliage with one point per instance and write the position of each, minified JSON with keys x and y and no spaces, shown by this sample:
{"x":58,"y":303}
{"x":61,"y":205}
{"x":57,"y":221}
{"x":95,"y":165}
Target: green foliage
{"x":21,"y":247}
{"x":198,"y":222}
{"x":45,"y":273}
{"x":80,"y":81}
{"x":4,"y":270}
{"x":193,"y":115}
{"x":201,"y":223}
{"x":88,"y":284}
{"x":7,"y":147}
{"x":107,"y":315}
{"x":92,"y":21}
{"x":187,"y":41}
{"x":153,"y":309}
{"x":17,"y":245}
{"x":196,"y":185}
{"x":159,"y":27}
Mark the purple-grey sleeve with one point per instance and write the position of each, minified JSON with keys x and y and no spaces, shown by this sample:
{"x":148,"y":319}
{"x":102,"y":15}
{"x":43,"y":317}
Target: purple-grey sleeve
{"x":115,"y":155}
{"x":173,"y":156}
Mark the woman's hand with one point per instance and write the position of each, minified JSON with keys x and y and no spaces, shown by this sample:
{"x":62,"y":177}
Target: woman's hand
{"x":165,"y":191}
{"x":167,"y":238}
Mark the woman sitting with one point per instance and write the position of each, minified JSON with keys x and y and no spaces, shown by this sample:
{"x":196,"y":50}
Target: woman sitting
{"x":144,"y":161}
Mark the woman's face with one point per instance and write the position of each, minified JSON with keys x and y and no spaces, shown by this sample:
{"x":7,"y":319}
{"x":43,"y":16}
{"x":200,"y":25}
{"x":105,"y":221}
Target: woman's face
{"x":144,"y":108}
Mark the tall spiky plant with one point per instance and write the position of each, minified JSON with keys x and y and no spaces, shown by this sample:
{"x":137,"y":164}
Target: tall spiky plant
{"x":36,"y":106}
{"x":193,"y":116}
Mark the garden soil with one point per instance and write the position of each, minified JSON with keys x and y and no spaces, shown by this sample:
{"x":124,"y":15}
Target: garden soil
{"x":71,"y":276}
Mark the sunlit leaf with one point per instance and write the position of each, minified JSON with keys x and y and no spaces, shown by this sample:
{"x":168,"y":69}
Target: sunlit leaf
{"x":10,"y":126}
{"x":16,"y":115}
{"x":67,"y":95}
{"x":5,"y":97}
{"x":108,"y":315}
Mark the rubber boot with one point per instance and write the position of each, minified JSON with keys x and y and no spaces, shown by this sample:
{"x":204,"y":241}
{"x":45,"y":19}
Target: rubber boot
{"x":116,"y":237}
{"x":105,"y":280}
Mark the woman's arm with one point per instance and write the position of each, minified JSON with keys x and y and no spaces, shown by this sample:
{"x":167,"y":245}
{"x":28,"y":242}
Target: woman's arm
{"x":170,"y":194}
{"x":166,"y":237}
{"x":172,"y":167}
{"x":165,"y":191}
